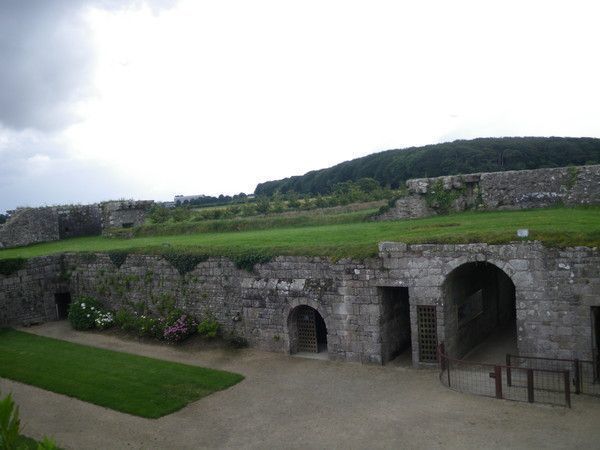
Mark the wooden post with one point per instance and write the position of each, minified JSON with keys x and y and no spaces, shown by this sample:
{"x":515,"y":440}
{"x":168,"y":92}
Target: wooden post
{"x":530,"y":394}
{"x":498,"y":379}
{"x":508,"y":371}
{"x":577,"y":377}
{"x":568,"y":388}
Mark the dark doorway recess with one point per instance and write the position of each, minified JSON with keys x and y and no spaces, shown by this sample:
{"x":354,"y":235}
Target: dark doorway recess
{"x":481,"y":312}
{"x":62,"y":301}
{"x":308,"y":332}
{"x":395,"y":323}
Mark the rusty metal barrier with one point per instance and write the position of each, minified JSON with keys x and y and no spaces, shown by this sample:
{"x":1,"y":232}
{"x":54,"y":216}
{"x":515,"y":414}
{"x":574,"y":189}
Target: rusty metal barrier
{"x":585,"y":377}
{"x":525,"y":384}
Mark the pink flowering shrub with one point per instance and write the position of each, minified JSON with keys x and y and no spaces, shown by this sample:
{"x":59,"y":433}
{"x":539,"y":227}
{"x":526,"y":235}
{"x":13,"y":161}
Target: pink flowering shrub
{"x":183,"y":327}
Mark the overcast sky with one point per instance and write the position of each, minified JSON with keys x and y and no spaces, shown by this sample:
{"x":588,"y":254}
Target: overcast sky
{"x":104,"y":99}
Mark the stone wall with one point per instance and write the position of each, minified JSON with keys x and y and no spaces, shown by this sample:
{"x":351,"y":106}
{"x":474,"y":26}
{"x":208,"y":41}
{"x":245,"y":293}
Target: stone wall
{"x":28,"y":226}
{"x":554,"y":292}
{"x":520,"y":189}
{"x":27,"y":296}
{"x":78,"y":220}
{"x":255,"y":305}
{"x":124,"y":213}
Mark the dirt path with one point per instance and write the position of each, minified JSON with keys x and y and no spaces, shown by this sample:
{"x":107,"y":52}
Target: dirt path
{"x":287,"y":402}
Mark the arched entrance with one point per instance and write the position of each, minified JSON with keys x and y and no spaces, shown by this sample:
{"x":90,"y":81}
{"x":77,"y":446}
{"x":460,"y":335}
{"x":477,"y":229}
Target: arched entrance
{"x":480,"y":311}
{"x":308,"y":332}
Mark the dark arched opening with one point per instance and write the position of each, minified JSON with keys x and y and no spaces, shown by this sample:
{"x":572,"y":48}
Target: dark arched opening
{"x":480,"y":312}
{"x":307,"y":329}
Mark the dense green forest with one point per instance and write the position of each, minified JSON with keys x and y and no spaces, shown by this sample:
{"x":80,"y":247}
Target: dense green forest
{"x":393,"y":167}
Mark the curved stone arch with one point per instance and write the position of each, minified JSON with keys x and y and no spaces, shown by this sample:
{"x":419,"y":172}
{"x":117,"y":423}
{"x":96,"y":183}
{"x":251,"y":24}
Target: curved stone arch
{"x":504,"y":266}
{"x":452,"y":328}
{"x":287,"y":315}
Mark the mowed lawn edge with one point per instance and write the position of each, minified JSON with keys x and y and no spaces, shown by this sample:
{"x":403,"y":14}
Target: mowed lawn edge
{"x":125,"y":382}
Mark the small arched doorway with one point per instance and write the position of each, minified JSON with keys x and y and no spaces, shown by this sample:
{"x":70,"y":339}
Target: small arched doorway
{"x":480,"y":312}
{"x":308,"y":332}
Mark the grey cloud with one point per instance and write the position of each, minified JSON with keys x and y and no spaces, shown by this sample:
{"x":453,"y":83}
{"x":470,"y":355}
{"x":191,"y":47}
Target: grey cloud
{"x":65,"y":181}
{"x":46,"y":59}
{"x":36,"y":170}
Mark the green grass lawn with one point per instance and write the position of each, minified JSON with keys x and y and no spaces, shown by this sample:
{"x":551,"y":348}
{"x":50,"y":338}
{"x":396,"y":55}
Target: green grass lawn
{"x":290,"y":219}
{"x":128,"y":383}
{"x":553,"y":226}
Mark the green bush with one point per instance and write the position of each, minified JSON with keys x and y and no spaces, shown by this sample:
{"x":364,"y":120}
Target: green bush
{"x":441,"y":199}
{"x":150,"y":326}
{"x":10,"y":429}
{"x":248,"y":209}
{"x":159,"y":214}
{"x":181,"y":214}
{"x":9,"y":423}
{"x":263,"y":205}
{"x":209,"y":327}
{"x":126,"y":320}
{"x":83,"y":313}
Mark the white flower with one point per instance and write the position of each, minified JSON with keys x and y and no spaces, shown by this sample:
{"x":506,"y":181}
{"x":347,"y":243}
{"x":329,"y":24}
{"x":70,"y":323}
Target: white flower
{"x":88,"y":315}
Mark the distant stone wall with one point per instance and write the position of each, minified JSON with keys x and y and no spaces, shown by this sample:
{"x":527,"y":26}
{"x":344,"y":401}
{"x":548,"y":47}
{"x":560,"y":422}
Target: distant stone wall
{"x":520,"y":189}
{"x":28,"y":226}
{"x":78,"y":220}
{"x":555,"y":290}
{"x":124,"y":213}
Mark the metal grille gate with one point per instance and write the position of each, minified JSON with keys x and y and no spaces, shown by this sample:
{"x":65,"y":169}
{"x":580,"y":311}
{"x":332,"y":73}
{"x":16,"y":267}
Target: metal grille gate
{"x":426,"y":319}
{"x":307,"y":331}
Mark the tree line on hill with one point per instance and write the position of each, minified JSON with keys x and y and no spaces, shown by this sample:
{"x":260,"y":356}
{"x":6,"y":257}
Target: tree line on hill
{"x":392,"y":168}
{"x":208,"y":200}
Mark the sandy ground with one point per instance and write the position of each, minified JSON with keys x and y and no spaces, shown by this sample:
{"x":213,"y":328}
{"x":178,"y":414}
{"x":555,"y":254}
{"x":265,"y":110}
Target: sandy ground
{"x":290,"y":402}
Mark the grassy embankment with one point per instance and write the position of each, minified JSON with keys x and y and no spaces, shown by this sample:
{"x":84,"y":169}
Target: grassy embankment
{"x":128,"y":383}
{"x":554,"y":227}
{"x":318,"y":217}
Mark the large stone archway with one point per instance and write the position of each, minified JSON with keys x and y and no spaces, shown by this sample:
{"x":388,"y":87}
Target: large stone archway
{"x":479,"y":300}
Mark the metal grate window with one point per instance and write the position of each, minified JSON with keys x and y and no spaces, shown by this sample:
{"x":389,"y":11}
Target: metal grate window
{"x":427,"y":322}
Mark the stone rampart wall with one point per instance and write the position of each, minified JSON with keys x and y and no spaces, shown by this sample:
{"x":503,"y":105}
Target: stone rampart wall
{"x":124,"y":213}
{"x":28,"y":226}
{"x":555,"y":290}
{"x":78,"y":220}
{"x":519,"y":189}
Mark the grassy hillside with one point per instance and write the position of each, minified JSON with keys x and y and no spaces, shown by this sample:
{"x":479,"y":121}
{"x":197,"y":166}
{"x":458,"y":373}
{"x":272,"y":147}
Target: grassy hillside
{"x":394,"y":167}
{"x":554,"y":227}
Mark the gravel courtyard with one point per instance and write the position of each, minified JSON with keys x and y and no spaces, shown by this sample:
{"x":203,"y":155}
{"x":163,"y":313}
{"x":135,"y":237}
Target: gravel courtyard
{"x":291,"y":402}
